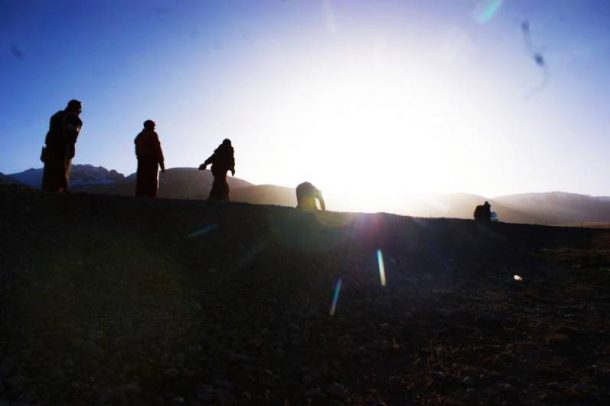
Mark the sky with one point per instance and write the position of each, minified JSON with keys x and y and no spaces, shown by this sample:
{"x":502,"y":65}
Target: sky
{"x":372,"y":101}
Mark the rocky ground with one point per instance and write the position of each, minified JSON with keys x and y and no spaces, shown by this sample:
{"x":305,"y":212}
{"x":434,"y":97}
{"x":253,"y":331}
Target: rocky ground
{"x":118,"y":300}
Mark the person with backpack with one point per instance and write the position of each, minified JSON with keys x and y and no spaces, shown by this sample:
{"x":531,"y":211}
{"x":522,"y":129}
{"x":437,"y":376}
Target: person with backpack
{"x":60,"y":147}
{"x":222,"y":160}
{"x":150,"y":158}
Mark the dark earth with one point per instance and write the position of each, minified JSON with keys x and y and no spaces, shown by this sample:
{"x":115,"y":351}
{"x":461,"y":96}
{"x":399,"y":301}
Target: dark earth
{"x":118,"y":300}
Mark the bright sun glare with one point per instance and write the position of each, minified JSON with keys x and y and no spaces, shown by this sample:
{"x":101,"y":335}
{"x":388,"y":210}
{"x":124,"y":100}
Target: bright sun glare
{"x":373,"y":136}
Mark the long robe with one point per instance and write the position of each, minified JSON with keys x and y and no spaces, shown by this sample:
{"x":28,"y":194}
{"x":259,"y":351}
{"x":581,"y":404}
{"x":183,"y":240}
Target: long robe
{"x":222,"y":160}
{"x":60,"y":148}
{"x":150,"y":156}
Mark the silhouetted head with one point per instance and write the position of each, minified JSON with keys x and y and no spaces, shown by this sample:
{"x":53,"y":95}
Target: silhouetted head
{"x":226,"y":142}
{"x":74,"y":106}
{"x":149,"y":125}
{"x":486,"y":204}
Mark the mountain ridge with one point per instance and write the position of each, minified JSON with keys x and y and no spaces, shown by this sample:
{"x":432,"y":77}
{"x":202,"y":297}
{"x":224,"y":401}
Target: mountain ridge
{"x":553,"y":208}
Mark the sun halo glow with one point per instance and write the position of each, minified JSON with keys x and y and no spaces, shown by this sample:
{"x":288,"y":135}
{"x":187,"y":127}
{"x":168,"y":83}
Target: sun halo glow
{"x":369,"y":138}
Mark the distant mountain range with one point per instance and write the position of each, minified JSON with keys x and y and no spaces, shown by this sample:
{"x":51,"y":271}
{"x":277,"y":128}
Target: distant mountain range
{"x":82,"y":177}
{"x":554,"y":208}
{"x":7,"y":180}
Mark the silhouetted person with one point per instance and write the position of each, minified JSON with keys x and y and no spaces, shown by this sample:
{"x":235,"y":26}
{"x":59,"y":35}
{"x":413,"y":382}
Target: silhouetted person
{"x":150,"y":158}
{"x":307,"y":194}
{"x":222,"y":160}
{"x":483,"y":212}
{"x":60,"y":141}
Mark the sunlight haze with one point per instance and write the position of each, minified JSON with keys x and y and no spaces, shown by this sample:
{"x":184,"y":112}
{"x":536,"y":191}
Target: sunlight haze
{"x":372,"y":101}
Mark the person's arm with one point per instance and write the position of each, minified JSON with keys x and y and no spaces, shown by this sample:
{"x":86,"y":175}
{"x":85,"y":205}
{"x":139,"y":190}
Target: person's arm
{"x":321,"y":200}
{"x":160,"y":157}
{"x":72,"y":126}
{"x":208,"y":161}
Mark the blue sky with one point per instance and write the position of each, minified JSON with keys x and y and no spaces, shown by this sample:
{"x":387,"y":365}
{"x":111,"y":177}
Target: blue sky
{"x":359,"y":97}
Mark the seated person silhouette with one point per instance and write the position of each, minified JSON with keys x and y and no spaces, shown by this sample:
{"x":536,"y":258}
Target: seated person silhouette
{"x":307,"y":194}
{"x":483,"y":212}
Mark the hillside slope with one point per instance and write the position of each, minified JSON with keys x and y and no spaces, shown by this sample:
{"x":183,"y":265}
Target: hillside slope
{"x":7,"y":180}
{"x":462,"y":205}
{"x":559,"y":207}
{"x":82,"y":176}
{"x":118,"y":300}
{"x":552,"y":208}
{"x":175,"y":183}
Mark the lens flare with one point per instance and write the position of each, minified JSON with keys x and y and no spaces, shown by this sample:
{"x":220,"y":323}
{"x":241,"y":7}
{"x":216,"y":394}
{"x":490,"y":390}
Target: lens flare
{"x":203,"y":231}
{"x":486,"y":10}
{"x":333,"y":306}
{"x":381,"y":267}
{"x":329,"y":16}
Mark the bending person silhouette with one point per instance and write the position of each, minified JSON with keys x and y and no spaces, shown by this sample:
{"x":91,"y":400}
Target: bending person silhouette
{"x":222,"y":160}
{"x":307,"y":194}
{"x":483,"y":212}
{"x":60,"y":147}
{"x":150,"y":158}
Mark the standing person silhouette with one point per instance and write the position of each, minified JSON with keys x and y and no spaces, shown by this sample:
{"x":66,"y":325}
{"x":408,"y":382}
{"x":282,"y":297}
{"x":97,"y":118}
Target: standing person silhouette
{"x":64,"y":127}
{"x":222,"y":160}
{"x":150,"y":158}
{"x":307,"y":194}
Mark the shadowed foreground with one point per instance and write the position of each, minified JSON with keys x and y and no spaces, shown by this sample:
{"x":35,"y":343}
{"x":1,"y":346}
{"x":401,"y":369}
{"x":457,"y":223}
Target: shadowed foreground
{"x":110,"y":300}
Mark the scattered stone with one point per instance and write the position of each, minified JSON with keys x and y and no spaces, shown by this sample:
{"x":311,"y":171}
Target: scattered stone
{"x":195,"y":349}
{"x":178,"y":359}
{"x":28,"y":396}
{"x":315,"y":393}
{"x":131,"y":388}
{"x":171,"y":373}
{"x":16,"y":383}
{"x":205,"y":393}
{"x":224,"y":397}
{"x":505,"y":386}
{"x":245,"y":398}
{"x":105,"y":397}
{"x":7,"y":367}
{"x":236,"y":358}
{"x":336,"y":390}
{"x":488,"y":321}
{"x":223,"y":384}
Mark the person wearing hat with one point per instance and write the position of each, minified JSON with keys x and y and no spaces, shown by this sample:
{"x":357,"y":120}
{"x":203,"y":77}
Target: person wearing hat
{"x":150,"y":158}
{"x":60,"y":147}
{"x":222,"y":160}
